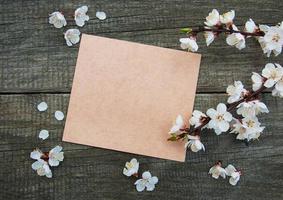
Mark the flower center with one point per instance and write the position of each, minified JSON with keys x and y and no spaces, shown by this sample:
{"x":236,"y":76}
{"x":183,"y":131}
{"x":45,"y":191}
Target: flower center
{"x":129,"y":165}
{"x":219,"y":117}
{"x":273,"y":74}
{"x":276,"y":37}
{"x":250,"y":123}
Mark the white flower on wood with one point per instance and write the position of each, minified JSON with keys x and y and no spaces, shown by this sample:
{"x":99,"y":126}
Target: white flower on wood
{"x":217,"y":171}
{"x":235,"y":92}
{"x":147,"y":182}
{"x":272,"y":40}
{"x":80,"y":15}
{"x":234,"y":173}
{"x":72,"y":36}
{"x":131,"y":168}
{"x":57,"y":19}
{"x":197,"y":118}
{"x":251,"y":108}
{"x":273,"y":73}
{"x":236,"y":39}
{"x":189,"y":43}
{"x":250,"y":26}
{"x":213,"y":18}
{"x":194,"y":143}
{"x":55,"y":156}
{"x":220,"y":118}
{"x":228,"y":17}
{"x":42,"y":168}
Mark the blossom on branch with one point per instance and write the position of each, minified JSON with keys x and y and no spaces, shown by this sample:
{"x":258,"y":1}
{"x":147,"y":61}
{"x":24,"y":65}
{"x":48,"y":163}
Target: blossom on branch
{"x":194,"y":143}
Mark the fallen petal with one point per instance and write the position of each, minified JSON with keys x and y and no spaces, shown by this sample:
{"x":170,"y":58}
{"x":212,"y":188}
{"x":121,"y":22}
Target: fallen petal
{"x":42,"y":106}
{"x":59,"y":115}
{"x":101,"y":15}
{"x":43,"y":134}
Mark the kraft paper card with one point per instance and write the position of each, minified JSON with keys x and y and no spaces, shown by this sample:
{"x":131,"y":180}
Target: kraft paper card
{"x":126,"y":96}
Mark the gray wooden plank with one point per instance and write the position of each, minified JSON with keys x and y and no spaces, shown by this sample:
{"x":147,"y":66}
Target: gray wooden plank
{"x":93,"y":173}
{"x":34,"y":57}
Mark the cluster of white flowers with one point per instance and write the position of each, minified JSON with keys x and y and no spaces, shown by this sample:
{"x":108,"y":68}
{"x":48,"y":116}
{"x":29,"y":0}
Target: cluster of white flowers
{"x":147,"y":181}
{"x":45,"y":161}
{"x":217,"y":170}
{"x":72,"y":36}
{"x":269,"y":37}
{"x":246,"y":104}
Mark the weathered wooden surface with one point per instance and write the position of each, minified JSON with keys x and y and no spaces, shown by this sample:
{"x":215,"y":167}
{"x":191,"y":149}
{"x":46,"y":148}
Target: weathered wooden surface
{"x":35,"y":60}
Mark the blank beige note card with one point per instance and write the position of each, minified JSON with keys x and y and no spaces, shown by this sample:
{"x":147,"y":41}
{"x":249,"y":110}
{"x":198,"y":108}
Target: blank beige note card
{"x":126,"y":96}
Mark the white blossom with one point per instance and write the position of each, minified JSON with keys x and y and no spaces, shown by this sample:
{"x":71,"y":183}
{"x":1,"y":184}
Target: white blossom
{"x":100,"y":15}
{"x":131,"y":168}
{"x":179,"y":124}
{"x":43,"y":134}
{"x":250,"y":26}
{"x":197,"y":118}
{"x":217,"y":171}
{"x":189,"y":43}
{"x":55,"y":156}
{"x":59,"y":115}
{"x":42,"y":106}
{"x":80,"y":15}
{"x":251,"y":108}
{"x":272,"y":40}
{"x":236,"y":39}
{"x":247,"y":128}
{"x":194,"y":143}
{"x":220,"y":118}
{"x":235,"y":174}
{"x":72,"y":36}
{"x":227,"y":18}
{"x":42,"y":168}
{"x":147,"y":182}
{"x":213,"y":18}
{"x":209,"y":37}
{"x":57,"y":19}
{"x":235,"y":92}
{"x":36,"y":154}
{"x":273,"y":73}
{"x":257,"y":80}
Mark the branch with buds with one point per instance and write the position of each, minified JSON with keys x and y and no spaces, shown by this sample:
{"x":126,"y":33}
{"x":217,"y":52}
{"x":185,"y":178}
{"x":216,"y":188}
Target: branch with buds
{"x":246,"y":103}
{"x":270,"y":38}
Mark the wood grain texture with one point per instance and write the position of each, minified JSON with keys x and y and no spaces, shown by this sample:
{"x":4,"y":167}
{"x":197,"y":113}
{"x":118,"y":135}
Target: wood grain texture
{"x":35,"y":58}
{"x":93,"y":173}
{"x":36,"y":65}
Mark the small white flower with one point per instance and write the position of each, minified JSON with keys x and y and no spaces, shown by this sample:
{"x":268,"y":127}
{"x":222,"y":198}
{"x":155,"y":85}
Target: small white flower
{"x":57,"y":19}
{"x":43,"y":134}
{"x":272,"y":40}
{"x":147,"y":181}
{"x":59,"y":115}
{"x":55,"y":156}
{"x":220,"y":118}
{"x":131,"y":168}
{"x":194,"y":143}
{"x":209,"y":37}
{"x":42,"y":106}
{"x":236,"y":39}
{"x":42,"y":168}
{"x":235,"y":91}
{"x":100,"y":15}
{"x":80,"y":15}
{"x":247,"y":129}
{"x":227,"y":18}
{"x":273,"y":73}
{"x":257,"y":80}
{"x":72,"y":36}
{"x":251,"y":108}
{"x":235,"y":174}
{"x":179,"y":124}
{"x":250,"y":26}
{"x":189,"y":43}
{"x":213,"y":18}
{"x":36,"y":154}
{"x":217,"y":171}
{"x":197,"y":118}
